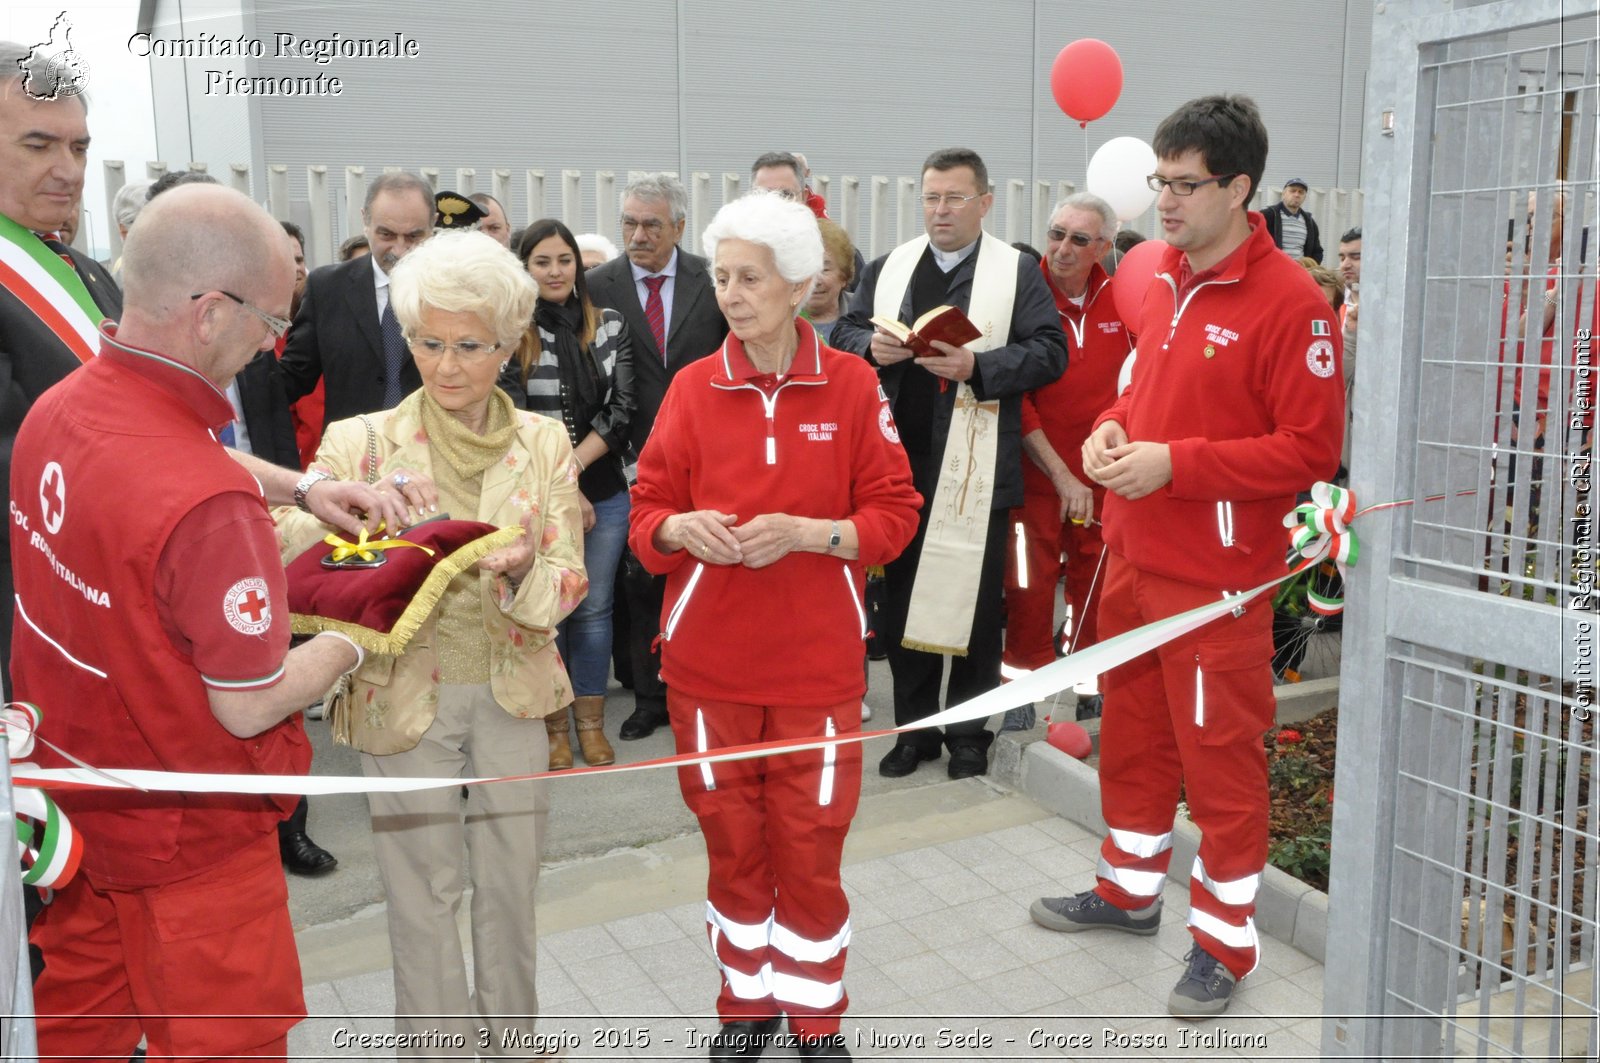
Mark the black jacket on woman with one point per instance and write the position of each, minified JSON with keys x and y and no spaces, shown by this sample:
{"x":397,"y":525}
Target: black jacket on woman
{"x":587,"y":390}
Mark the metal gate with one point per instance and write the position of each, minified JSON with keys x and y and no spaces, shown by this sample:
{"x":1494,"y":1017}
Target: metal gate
{"x":1462,"y":911}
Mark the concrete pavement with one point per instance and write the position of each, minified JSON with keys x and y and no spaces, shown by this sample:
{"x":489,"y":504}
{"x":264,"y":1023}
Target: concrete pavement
{"x":944,"y":962}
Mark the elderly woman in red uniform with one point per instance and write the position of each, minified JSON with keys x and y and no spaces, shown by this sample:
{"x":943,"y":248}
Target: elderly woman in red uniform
{"x":763,"y":525}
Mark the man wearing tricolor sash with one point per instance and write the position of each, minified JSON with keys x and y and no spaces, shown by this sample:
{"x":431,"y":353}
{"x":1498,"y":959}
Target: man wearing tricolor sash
{"x":959,"y":417}
{"x":50,"y":304}
{"x":1236,"y":404}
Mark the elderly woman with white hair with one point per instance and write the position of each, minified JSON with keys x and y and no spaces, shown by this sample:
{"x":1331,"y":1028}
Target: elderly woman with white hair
{"x":468,"y":696}
{"x":763,"y":528}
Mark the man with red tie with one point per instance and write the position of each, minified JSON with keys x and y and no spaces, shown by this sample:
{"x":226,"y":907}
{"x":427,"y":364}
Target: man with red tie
{"x":664,"y":293}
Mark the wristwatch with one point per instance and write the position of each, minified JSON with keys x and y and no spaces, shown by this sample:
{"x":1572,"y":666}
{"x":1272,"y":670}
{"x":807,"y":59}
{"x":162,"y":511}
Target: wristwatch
{"x":833,"y":538}
{"x":307,"y":482}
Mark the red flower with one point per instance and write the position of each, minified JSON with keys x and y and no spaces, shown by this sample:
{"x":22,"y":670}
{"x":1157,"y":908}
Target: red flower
{"x":1288,"y":737}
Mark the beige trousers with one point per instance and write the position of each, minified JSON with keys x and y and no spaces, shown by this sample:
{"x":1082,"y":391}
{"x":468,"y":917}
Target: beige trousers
{"x":419,"y":842}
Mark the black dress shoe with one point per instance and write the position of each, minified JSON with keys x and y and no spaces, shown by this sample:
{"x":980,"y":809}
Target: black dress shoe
{"x":302,"y":856}
{"x":1089,"y":707}
{"x":902,"y":760}
{"x":742,"y":1040}
{"x":827,"y":1046}
{"x":642,"y":724}
{"x":967,"y":761}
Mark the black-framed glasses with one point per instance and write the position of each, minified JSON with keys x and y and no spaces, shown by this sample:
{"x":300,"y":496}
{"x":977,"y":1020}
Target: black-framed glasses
{"x":1158,"y":183}
{"x":278,"y":325}
{"x":953,"y":200}
{"x":1077,"y":239}
{"x":467,"y":352}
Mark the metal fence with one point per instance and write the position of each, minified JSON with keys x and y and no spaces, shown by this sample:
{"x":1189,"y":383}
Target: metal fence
{"x":878,"y":212}
{"x":1463,"y":911}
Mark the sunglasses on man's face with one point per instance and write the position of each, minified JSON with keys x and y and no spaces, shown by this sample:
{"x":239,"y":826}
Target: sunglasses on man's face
{"x":1078,"y":239}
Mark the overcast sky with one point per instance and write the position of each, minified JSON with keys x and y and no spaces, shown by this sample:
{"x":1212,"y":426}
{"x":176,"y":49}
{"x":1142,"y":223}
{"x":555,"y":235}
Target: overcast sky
{"x":121,"y":124}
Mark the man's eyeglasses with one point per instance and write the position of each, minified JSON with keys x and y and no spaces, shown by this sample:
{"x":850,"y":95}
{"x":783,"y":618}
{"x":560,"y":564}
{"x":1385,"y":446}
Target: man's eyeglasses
{"x":953,"y":200}
{"x":1185,"y":188}
{"x":1078,"y":239}
{"x":653,"y":226}
{"x":467,"y":352}
{"x":278,"y":325}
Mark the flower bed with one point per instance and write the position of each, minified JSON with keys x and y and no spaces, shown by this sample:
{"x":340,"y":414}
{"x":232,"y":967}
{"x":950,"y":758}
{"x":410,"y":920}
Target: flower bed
{"x":1300,"y":810}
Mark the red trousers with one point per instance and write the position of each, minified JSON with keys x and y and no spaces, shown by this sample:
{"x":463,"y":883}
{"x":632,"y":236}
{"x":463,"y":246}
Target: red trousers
{"x":1190,"y":714}
{"x":204,"y":968}
{"x":774,"y":829}
{"x":1034,"y":564}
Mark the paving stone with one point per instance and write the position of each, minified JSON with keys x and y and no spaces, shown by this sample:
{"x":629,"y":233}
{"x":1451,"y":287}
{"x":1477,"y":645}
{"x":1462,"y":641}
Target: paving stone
{"x":579,"y":944}
{"x":1022,"y":839}
{"x":945,"y":927}
{"x":871,"y":876}
{"x":925,"y":863}
{"x":1021,"y":989}
{"x":605,"y":975}
{"x":885,"y":943}
{"x":866,"y":913}
{"x":870,"y":989}
{"x":979,"y":958}
{"x":921,"y":975}
{"x":958,"y":886}
{"x":650,"y":928}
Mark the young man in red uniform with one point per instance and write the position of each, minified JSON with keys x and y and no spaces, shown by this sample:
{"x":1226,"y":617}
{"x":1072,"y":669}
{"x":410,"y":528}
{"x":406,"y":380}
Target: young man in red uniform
{"x":1061,"y":506}
{"x":152,"y":629}
{"x":1236,"y":404}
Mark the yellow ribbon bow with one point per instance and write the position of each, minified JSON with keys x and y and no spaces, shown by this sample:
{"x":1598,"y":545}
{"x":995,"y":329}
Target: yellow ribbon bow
{"x":364,"y":548}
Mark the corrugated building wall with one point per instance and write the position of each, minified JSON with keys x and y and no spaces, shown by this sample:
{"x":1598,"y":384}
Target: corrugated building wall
{"x":863,"y":88}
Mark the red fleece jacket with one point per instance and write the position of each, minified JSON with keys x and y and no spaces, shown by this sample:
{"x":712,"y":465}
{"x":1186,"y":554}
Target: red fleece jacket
{"x":1239,"y":372}
{"x":1097,"y":345}
{"x":819,"y":443}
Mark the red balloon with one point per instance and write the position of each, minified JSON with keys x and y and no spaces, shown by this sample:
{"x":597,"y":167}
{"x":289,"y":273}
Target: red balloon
{"x":1086,"y":79}
{"x":1135,"y":271}
{"x":1071,"y":739}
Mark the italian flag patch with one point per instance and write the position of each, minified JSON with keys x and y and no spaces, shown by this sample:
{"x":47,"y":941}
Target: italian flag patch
{"x":1319,"y":327}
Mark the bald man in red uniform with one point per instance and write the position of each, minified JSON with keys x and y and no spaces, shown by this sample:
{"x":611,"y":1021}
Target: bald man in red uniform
{"x":152,"y":628}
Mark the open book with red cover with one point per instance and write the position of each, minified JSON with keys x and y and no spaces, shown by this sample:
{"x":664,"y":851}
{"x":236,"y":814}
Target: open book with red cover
{"x":946,"y":324}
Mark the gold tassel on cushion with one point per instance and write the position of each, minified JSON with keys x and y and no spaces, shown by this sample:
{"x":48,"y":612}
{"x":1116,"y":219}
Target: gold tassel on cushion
{"x":423,"y":602}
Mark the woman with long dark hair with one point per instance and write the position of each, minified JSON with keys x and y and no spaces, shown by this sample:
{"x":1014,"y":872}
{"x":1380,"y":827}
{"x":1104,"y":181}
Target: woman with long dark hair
{"x":581,"y":375}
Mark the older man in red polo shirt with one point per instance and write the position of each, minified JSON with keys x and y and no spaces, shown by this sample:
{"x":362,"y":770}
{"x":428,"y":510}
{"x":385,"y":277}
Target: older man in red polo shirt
{"x":152,"y":627}
{"x":1056,"y":529}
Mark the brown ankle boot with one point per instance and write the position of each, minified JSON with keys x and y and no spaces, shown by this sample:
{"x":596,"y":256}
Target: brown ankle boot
{"x":559,"y":726}
{"x":591,"y":716}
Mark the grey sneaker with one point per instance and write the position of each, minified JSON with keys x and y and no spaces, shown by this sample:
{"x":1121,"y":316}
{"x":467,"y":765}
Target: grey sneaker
{"x":1205,"y":988}
{"x":1090,"y":911}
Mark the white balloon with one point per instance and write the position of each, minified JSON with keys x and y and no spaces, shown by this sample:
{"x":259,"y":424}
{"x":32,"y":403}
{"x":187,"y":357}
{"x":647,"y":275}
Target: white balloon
{"x":1118,"y":172}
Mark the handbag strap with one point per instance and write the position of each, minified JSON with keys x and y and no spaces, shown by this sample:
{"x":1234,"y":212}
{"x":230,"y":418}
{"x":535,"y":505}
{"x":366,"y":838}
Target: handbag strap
{"x":372,"y":450}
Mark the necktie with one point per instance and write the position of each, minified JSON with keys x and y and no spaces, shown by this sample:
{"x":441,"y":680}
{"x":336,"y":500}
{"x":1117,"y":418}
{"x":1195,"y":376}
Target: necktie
{"x":655,"y":312}
{"x":394,"y":350}
{"x":226,"y":436}
{"x":53,"y":242}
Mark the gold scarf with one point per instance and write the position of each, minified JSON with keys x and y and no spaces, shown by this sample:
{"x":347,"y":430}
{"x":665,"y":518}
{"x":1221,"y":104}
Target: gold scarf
{"x":465,"y":451}
{"x":460,"y":457}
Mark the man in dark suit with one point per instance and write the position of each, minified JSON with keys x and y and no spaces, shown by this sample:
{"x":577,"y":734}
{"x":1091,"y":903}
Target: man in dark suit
{"x":43,"y":154}
{"x":665,"y":294}
{"x":344,"y":332}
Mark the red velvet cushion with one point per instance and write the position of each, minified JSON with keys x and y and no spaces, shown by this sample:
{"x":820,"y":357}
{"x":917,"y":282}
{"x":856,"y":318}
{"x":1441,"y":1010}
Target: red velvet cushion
{"x":381,"y":608}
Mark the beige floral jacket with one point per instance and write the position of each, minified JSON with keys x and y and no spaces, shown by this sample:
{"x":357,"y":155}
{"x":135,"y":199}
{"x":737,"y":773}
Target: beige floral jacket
{"x":394,"y":699}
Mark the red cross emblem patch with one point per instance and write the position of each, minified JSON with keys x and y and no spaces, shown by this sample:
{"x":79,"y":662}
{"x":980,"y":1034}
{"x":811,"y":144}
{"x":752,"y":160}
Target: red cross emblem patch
{"x":1319,"y":358}
{"x":246,"y":608}
{"x":53,"y":497}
